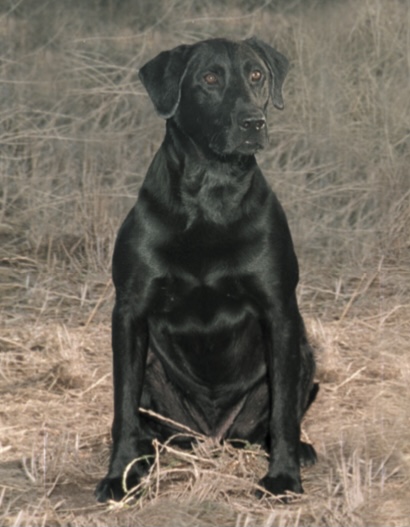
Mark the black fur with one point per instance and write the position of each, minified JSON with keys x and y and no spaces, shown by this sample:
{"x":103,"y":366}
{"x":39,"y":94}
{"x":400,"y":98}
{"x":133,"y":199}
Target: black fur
{"x":206,"y":329}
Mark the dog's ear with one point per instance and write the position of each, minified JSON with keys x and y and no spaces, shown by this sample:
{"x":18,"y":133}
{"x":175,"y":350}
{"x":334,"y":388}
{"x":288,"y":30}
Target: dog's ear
{"x":278,"y":66}
{"x":162,"y":77}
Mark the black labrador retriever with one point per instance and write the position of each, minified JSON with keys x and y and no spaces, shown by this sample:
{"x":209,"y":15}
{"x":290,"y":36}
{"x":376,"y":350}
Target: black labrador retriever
{"x":206,"y":329}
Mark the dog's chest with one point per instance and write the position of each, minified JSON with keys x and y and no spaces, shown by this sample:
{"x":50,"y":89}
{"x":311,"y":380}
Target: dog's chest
{"x":207,"y":278}
{"x":182,"y":299}
{"x":214,"y":195}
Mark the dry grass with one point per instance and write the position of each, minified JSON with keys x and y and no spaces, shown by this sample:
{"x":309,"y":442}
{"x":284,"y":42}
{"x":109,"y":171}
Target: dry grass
{"x":77,"y":134}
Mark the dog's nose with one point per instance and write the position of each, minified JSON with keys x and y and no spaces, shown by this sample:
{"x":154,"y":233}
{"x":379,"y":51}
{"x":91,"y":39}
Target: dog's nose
{"x":251,"y":122}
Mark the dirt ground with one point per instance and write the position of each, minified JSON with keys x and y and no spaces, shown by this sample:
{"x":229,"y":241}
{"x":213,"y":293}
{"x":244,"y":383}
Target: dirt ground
{"x":77,"y":134}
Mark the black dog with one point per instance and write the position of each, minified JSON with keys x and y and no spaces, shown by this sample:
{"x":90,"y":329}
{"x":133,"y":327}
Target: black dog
{"x":206,"y":329}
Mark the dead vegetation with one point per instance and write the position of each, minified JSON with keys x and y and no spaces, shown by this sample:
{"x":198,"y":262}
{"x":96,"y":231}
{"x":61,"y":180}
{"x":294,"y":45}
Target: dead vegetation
{"x":77,"y":134}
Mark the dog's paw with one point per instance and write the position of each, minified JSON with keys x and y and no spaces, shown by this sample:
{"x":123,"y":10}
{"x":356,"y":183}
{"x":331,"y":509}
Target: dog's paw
{"x":279,"y":485}
{"x":109,"y":489}
{"x":307,"y":454}
{"x":112,"y":488}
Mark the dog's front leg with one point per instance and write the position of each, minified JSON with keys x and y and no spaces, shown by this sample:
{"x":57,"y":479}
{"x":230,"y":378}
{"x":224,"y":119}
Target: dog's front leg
{"x":284,"y":368}
{"x":130,"y":345}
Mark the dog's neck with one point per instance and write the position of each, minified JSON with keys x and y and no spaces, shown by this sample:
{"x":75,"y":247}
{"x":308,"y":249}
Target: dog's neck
{"x":210,"y":187}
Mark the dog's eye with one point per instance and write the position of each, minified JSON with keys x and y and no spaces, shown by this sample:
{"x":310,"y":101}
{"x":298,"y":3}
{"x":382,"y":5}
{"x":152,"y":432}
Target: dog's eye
{"x":256,"y":76}
{"x":211,"y":78}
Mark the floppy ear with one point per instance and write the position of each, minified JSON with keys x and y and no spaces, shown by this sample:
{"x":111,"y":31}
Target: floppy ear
{"x":278,"y":66}
{"x":162,"y":77}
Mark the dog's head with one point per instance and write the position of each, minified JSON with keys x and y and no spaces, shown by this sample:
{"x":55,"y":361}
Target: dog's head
{"x":217,"y":91}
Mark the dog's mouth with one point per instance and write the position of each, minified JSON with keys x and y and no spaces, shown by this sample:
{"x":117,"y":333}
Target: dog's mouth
{"x":249,"y":147}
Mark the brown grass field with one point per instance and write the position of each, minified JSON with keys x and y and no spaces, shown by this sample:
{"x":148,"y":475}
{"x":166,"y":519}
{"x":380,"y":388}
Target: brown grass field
{"x":77,"y":132}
